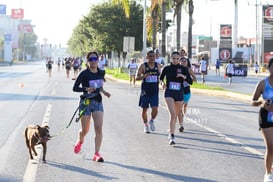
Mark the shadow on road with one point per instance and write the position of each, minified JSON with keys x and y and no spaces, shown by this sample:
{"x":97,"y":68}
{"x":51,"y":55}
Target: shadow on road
{"x":16,"y":97}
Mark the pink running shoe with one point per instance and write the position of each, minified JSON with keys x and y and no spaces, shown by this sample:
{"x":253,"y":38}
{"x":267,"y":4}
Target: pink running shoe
{"x":98,"y":157}
{"x":77,"y":147}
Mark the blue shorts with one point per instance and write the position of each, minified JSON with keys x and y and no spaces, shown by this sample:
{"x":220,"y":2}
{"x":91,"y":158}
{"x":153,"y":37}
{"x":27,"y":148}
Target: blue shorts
{"x":145,"y":101}
{"x":187,"y":98}
{"x":176,"y":95}
{"x":90,"y":105}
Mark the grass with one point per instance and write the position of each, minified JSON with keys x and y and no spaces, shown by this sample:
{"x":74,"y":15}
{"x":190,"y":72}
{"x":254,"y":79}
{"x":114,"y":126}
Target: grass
{"x":116,"y":73}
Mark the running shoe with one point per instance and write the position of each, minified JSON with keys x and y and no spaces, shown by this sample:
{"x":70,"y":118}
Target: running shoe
{"x":171,"y":139}
{"x":181,"y":129}
{"x":98,"y":158}
{"x":268,"y":177}
{"x":146,"y":129}
{"x":152,"y":125}
{"x":77,"y":147}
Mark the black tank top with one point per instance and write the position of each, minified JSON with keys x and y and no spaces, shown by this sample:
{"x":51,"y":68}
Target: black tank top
{"x":149,"y":85}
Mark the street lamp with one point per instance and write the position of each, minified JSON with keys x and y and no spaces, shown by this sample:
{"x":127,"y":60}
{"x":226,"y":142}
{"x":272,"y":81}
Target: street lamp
{"x":144,"y":29}
{"x":257,"y":43}
{"x":210,"y":33}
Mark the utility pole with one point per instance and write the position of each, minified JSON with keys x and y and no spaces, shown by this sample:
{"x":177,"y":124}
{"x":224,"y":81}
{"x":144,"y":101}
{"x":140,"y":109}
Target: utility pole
{"x":144,"y":29}
{"x":257,"y":41}
{"x":235,"y":36}
{"x":163,"y":28}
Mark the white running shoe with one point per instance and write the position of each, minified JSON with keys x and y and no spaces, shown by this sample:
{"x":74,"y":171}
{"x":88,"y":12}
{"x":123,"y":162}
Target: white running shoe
{"x":268,"y":177}
{"x":152,"y":125}
{"x":146,"y":129}
{"x":171,"y":140}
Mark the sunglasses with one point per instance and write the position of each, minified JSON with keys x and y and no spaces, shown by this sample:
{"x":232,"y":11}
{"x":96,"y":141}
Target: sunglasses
{"x":93,"y":59}
{"x":152,"y":55}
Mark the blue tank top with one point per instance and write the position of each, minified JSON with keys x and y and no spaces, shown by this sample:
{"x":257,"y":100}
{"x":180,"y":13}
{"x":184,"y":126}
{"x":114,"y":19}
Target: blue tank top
{"x":149,"y":85}
{"x":268,"y":91}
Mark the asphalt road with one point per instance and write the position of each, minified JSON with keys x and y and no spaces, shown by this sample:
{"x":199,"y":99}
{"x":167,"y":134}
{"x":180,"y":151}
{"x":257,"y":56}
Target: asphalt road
{"x":221,"y":141}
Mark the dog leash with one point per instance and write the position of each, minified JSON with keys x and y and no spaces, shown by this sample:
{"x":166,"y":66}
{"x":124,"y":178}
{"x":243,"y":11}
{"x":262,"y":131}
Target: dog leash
{"x":85,"y":102}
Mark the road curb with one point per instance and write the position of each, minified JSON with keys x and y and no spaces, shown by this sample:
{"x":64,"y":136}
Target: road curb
{"x":219,"y":93}
{"x":226,"y":94}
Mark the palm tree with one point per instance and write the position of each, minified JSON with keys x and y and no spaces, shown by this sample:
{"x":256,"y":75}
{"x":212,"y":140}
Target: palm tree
{"x":177,"y":13}
{"x":191,"y":8}
{"x":163,"y":24}
{"x":125,"y":5}
{"x":155,"y":10}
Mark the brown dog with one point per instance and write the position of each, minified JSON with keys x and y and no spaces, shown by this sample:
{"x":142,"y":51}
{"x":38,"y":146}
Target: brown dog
{"x":34,"y":135}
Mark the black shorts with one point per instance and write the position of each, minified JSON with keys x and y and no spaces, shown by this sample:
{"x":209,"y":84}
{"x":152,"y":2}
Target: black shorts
{"x":265,"y":118}
{"x":176,"y":95}
{"x":229,"y":75}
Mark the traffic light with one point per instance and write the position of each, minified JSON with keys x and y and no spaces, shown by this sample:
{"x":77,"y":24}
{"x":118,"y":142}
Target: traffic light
{"x":159,"y":29}
{"x":168,"y":23}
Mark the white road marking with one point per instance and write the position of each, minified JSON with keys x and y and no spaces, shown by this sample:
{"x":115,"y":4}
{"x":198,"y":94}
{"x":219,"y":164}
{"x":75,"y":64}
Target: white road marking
{"x":231,"y":140}
{"x":31,"y":169}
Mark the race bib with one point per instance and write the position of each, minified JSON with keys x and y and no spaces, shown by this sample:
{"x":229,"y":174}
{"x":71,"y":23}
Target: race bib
{"x":96,"y":83}
{"x":151,"y":79}
{"x":186,"y":84}
{"x":175,"y":86}
{"x":270,"y":117}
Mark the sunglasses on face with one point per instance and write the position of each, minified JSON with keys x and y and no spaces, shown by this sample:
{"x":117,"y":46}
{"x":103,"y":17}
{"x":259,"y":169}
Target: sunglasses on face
{"x":152,"y":55}
{"x":93,"y":59}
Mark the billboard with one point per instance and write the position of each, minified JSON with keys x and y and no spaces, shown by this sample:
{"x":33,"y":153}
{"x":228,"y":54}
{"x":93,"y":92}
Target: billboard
{"x":27,"y":28}
{"x":17,"y":13}
{"x":225,"y":46}
{"x":267,"y":31}
{"x":225,"y":31}
{"x":3,"y":9}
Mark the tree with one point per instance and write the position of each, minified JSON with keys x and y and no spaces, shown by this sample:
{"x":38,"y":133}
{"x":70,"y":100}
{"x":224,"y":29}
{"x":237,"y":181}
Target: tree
{"x":191,"y":8}
{"x":104,"y":27}
{"x":125,"y":5}
{"x":177,"y":13}
{"x":153,"y":22}
{"x":163,"y":20}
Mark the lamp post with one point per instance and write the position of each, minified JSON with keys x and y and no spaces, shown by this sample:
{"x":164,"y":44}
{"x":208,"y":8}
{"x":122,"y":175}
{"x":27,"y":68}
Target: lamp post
{"x":210,"y":34}
{"x":144,"y":29}
{"x":235,"y":36}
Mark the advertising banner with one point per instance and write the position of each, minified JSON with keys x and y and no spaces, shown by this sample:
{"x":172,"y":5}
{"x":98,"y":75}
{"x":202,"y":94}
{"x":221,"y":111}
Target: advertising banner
{"x":196,"y":69}
{"x":17,"y":13}
{"x":25,"y":28}
{"x":7,"y":48}
{"x":226,"y":31}
{"x":225,"y":46}
{"x":3,"y":9}
{"x":225,"y":53}
{"x":240,"y":70}
{"x":267,"y":32}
